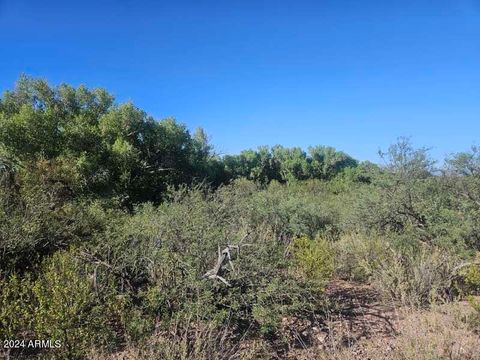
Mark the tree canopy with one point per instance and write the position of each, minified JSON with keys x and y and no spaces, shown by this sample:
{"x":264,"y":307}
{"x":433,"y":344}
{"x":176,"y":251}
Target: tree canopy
{"x":118,"y":150}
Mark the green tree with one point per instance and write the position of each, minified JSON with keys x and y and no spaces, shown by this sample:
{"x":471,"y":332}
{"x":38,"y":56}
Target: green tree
{"x":114,"y":150}
{"x":326,"y":162}
{"x":293,"y":163}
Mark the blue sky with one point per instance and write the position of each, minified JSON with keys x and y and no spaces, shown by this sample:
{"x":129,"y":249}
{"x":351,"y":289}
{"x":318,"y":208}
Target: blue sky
{"x":351,"y":74}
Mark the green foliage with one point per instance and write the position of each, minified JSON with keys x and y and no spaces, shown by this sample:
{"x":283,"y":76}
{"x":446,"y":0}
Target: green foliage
{"x":357,"y":256}
{"x":160,"y":254}
{"x":313,"y":258}
{"x":110,"y":221}
{"x":406,"y":162}
{"x":326,"y":162}
{"x":409,"y":272}
{"x":475,"y":319}
{"x":39,"y":215}
{"x":463,"y":181}
{"x":67,"y":307}
{"x":293,"y":163}
{"x":15,"y":307}
{"x":114,"y":150}
{"x":297,"y":209}
{"x":470,"y":277}
{"x":288,"y":164}
{"x":61,"y":304}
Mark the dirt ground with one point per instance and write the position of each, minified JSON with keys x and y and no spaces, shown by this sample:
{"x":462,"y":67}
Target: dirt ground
{"x":360,"y":325}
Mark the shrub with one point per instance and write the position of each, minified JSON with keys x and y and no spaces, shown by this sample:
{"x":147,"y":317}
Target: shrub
{"x":295,"y":210}
{"x":160,"y":254}
{"x":313,"y":258}
{"x":15,"y":309}
{"x":67,"y":307}
{"x":475,"y":319}
{"x":357,"y":256}
{"x":470,"y":277}
{"x":41,"y":219}
{"x":416,"y":278}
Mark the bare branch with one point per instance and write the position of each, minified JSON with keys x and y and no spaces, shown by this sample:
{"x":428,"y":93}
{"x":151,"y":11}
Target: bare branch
{"x":224,"y":256}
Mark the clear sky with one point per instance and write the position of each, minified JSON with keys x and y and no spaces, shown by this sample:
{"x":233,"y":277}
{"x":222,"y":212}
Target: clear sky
{"x":350,"y":74}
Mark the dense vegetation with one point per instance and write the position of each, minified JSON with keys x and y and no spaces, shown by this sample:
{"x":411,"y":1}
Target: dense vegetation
{"x":111,"y":223}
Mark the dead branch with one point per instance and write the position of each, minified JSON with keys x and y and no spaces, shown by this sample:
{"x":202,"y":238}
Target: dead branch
{"x":98,"y":262}
{"x":223,"y":257}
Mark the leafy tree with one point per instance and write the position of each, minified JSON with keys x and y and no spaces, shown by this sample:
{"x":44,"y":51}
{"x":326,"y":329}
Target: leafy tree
{"x":406,"y":162}
{"x":114,"y":150}
{"x":293,"y":162}
{"x":463,"y":178}
{"x":257,"y":165}
{"x":397,"y":203}
{"x":326,"y":162}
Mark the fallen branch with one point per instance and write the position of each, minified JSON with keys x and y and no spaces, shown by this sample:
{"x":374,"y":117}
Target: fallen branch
{"x":98,"y":262}
{"x":224,"y":256}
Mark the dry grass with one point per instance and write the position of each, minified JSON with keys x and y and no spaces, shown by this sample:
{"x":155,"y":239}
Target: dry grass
{"x":442,"y":332}
{"x":191,"y":341}
{"x":360,"y":328}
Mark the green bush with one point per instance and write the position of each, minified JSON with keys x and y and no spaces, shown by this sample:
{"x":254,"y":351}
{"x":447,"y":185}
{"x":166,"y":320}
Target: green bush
{"x":470,"y":277}
{"x":15,"y":308}
{"x":162,"y":253}
{"x":475,"y":319}
{"x":296,"y":209}
{"x":41,"y":216}
{"x":357,"y":256}
{"x":67,"y":308}
{"x":314,"y":259}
